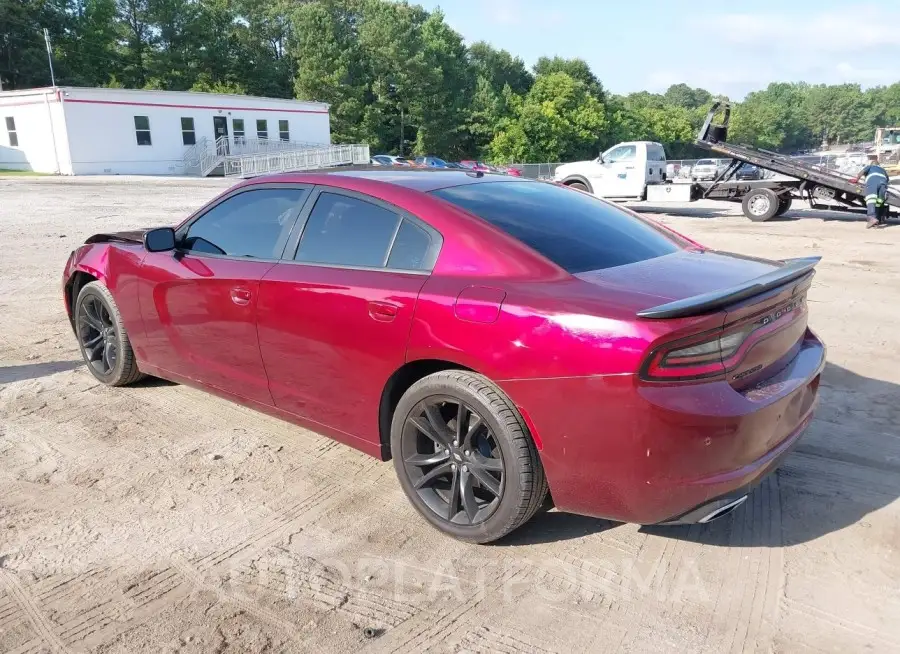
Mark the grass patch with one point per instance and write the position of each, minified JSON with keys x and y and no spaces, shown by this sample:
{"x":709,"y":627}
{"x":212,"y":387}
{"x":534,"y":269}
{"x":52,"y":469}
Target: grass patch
{"x":24,"y":173}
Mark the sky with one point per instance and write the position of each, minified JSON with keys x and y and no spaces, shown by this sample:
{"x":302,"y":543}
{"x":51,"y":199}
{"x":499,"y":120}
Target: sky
{"x":724,"y":47}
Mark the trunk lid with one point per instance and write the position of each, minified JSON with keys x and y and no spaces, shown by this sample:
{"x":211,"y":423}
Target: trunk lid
{"x":757,"y":303}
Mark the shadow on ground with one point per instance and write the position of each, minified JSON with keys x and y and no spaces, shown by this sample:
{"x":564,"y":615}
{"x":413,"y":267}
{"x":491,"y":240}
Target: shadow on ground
{"x":26,"y":371}
{"x":845,"y":467}
{"x":728,"y":210}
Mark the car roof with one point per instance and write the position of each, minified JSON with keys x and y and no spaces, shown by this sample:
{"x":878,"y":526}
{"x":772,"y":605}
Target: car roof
{"x":424,"y":180}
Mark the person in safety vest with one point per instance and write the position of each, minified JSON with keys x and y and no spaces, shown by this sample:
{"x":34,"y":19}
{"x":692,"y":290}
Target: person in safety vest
{"x":876,"y":181}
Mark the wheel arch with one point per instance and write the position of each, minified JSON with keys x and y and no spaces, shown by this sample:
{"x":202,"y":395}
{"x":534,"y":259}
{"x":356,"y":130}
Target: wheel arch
{"x":578,"y":178}
{"x":78,"y":280}
{"x":397,"y":384}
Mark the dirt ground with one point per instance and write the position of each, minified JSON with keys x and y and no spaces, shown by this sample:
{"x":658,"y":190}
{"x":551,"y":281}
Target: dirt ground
{"x":159,"y":518}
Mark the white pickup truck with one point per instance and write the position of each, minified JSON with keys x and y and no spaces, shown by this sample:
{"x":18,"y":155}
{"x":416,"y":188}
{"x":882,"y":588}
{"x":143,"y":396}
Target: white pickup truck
{"x":622,"y":172}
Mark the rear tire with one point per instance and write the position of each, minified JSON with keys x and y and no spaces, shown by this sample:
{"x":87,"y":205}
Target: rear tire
{"x":761,"y":204}
{"x":578,"y":186}
{"x":784,"y":205}
{"x":102,"y":338}
{"x":434,"y":458}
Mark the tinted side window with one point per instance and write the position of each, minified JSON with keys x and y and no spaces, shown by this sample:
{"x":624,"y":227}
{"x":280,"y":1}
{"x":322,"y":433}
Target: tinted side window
{"x":621,"y":153}
{"x":574,"y":230}
{"x":346,"y":231}
{"x":410,"y":248}
{"x":250,"y":224}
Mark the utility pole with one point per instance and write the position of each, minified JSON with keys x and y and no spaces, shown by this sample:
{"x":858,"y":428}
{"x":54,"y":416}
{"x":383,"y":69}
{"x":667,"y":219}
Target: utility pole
{"x":49,"y":56}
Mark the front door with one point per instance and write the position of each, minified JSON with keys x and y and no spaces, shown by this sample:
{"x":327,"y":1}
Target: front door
{"x":199,"y":303}
{"x":334,"y":323}
{"x":220,"y":128}
{"x":618,"y":173}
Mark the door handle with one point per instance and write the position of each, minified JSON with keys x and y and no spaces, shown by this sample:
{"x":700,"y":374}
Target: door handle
{"x":240,"y":296}
{"x":383,"y":311}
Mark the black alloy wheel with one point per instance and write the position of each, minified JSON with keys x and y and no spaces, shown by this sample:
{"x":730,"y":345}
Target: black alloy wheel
{"x":453,"y":460}
{"x":97,"y":335}
{"x":102,"y":337}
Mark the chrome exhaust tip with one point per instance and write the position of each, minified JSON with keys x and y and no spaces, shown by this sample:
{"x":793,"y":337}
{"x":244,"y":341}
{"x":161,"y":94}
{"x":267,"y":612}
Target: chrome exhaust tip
{"x":722,"y":510}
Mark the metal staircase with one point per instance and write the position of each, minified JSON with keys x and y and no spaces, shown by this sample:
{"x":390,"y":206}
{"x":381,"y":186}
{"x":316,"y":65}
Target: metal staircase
{"x":251,"y":157}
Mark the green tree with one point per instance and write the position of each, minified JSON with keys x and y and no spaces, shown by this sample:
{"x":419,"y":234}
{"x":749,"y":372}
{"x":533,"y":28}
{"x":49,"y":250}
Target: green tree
{"x":574,"y":68}
{"x":205,"y":84}
{"x":499,"y":68}
{"x":559,"y":120}
{"x":330,"y":65}
{"x":136,"y":31}
{"x":840,"y":113}
{"x":682,"y":95}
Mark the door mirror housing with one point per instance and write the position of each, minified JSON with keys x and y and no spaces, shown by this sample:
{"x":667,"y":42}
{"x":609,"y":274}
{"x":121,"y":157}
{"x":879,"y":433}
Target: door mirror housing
{"x":600,"y":158}
{"x":161,"y":239}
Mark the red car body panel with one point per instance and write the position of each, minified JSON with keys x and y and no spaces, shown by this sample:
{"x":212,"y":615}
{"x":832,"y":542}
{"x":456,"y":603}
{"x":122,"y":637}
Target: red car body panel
{"x":331,"y":338}
{"x":317,"y":345}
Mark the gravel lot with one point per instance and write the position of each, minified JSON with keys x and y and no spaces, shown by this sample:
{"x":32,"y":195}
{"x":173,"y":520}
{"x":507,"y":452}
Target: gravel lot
{"x":159,"y":518}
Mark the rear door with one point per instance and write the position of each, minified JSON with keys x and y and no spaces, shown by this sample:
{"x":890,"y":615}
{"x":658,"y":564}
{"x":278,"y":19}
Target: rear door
{"x":334,"y":317}
{"x":199,"y":302}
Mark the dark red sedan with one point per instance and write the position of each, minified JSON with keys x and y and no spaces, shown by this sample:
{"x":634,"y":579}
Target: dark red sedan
{"x":496,"y":337}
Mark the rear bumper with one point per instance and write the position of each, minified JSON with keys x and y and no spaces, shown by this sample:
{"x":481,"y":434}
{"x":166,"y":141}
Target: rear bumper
{"x":616,"y":448}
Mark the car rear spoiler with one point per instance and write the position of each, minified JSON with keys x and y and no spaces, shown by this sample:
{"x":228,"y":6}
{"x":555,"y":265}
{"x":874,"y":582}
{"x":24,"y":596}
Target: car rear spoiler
{"x":692,"y":306}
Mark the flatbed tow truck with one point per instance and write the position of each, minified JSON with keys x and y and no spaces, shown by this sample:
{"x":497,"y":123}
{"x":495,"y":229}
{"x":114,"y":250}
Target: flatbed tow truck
{"x":767,"y":198}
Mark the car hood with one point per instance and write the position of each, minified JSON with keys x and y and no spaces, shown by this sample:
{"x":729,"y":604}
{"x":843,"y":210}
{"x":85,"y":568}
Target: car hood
{"x":679,"y":275}
{"x":570,"y":168}
{"x":129,"y":236}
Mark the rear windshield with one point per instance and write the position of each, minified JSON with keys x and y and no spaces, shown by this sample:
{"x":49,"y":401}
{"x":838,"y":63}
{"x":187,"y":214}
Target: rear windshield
{"x":574,"y":230}
{"x":706,"y":162}
{"x":655,"y":152}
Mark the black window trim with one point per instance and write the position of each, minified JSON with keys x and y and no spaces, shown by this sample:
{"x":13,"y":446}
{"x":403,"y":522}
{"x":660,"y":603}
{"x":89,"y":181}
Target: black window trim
{"x":293,"y":244}
{"x":138,"y":131}
{"x":12,"y":133}
{"x":192,"y":131}
{"x":182,"y":229}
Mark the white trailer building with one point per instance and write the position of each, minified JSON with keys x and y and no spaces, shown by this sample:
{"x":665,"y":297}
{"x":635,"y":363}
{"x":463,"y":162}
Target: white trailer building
{"x":80,"y":131}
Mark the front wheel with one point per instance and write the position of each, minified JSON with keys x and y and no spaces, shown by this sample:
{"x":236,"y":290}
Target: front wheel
{"x":761,"y":204}
{"x":102,"y":338}
{"x":464,"y":457}
{"x":578,"y":186}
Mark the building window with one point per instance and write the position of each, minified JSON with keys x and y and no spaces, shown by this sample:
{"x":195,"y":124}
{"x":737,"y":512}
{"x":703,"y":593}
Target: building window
{"x":188,"y":136}
{"x":142,"y":130}
{"x":238,"y":128}
{"x":284,"y":132}
{"x":11,"y":130}
{"x":262,"y":130}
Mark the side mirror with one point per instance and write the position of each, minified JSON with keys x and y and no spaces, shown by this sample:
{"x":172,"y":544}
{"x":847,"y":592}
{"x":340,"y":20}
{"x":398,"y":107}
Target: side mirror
{"x":161,"y":239}
{"x":600,"y":158}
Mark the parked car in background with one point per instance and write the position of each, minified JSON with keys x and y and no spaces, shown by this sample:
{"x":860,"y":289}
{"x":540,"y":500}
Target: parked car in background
{"x":496,"y":337}
{"x":506,"y":170}
{"x":389,"y":160}
{"x":431,"y":162}
{"x":748,"y":172}
{"x":471,"y":164}
{"x":455,"y":165}
{"x":704,"y":170}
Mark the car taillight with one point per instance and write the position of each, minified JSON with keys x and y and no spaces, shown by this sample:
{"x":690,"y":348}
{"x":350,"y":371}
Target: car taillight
{"x":697,"y":357}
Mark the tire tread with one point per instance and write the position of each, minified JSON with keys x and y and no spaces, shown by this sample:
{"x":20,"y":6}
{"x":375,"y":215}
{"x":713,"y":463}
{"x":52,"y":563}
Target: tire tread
{"x":130,"y":372}
{"x":532,"y":479}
